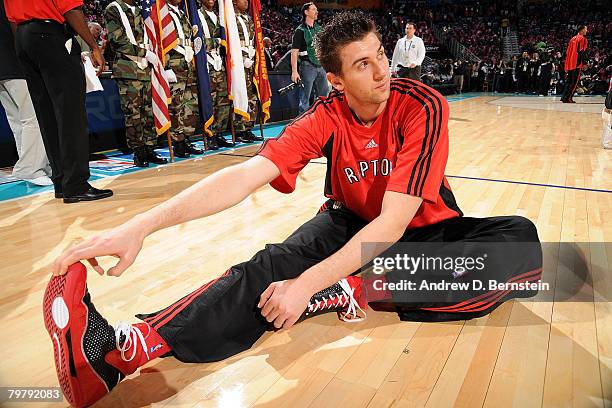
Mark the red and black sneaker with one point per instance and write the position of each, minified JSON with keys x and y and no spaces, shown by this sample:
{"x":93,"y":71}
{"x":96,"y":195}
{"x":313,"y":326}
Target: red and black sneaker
{"x":343,"y":297}
{"x":81,"y":338}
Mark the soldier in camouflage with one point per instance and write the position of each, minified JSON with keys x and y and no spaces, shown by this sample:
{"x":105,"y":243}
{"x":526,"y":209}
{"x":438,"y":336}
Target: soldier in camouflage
{"x":183,"y":84}
{"x":246,"y":32}
{"x":126,"y":36}
{"x":217,"y":74}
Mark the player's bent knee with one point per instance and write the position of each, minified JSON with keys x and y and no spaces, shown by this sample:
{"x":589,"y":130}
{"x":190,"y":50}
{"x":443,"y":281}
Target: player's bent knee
{"x":526,"y":229}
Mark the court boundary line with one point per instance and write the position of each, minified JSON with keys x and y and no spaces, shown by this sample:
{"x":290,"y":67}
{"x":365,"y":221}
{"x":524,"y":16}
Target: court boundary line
{"x":528,"y":183}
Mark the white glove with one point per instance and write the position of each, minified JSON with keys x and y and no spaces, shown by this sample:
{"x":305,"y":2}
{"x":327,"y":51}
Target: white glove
{"x":171,"y":76}
{"x":189,"y":53}
{"x":151,"y":57}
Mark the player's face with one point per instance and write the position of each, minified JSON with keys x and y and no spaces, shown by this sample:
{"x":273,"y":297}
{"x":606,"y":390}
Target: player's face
{"x":209,"y":4}
{"x":365,"y":74}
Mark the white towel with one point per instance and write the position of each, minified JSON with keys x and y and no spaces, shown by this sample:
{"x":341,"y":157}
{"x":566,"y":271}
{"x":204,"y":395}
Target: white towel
{"x":93,"y":82}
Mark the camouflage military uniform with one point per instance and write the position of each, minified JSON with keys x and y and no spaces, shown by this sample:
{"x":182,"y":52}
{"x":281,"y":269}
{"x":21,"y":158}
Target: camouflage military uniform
{"x":240,"y":124}
{"x":218,"y":79}
{"x":133,"y":81}
{"x":184,"y":106}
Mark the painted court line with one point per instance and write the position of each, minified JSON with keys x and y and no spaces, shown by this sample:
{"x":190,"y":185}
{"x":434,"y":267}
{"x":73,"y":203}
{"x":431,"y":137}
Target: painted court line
{"x":596,"y":190}
{"x":479,"y":178}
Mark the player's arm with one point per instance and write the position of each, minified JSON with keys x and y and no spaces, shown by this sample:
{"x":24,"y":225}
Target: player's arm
{"x":397,"y":212}
{"x":211,"y":195}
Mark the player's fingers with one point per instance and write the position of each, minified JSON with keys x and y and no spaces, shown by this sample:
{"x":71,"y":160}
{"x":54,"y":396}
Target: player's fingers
{"x":64,"y":261}
{"x":59,"y":264}
{"x":279,"y":321}
{"x":270,"y":305}
{"x":79,"y":255}
{"x":68,"y":257}
{"x":120,"y":267}
{"x":272,"y":315}
{"x":94,"y":264}
{"x":265,"y":296}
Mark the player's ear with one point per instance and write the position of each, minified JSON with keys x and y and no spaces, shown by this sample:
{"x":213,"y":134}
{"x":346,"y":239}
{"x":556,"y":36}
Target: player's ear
{"x":335,"y":81}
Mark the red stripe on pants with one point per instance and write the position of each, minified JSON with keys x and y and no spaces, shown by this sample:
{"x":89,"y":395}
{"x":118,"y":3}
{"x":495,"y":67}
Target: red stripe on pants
{"x":168,"y":313}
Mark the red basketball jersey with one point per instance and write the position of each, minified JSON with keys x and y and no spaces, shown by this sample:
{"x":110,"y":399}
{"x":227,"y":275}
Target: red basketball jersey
{"x":577,"y":44}
{"x":404,"y":150}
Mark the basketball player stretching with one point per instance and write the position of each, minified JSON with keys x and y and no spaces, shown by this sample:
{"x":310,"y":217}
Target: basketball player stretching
{"x":386,"y":144}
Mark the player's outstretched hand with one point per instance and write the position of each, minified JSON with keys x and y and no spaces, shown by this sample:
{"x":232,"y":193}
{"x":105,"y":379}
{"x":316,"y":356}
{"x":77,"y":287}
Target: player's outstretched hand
{"x":123,"y":242}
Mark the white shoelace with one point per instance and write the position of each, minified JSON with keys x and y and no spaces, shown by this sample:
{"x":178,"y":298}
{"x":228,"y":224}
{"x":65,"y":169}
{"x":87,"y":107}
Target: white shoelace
{"x":350,"y":315}
{"x":132,"y":336}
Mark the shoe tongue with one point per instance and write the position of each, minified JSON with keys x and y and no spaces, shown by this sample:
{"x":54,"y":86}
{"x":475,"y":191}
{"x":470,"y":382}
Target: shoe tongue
{"x":358,"y":293}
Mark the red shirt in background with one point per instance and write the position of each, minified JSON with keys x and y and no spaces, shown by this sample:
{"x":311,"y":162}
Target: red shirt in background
{"x":405,"y":150}
{"x":19,"y":11}
{"x":577,"y":43}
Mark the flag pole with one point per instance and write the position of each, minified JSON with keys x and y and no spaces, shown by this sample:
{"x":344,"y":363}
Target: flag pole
{"x":169,"y":136}
{"x":205,"y":140}
{"x":261,"y":115}
{"x":231,"y":119}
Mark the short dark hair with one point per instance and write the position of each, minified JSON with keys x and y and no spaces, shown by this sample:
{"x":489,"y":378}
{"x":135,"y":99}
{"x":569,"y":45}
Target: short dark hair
{"x":305,"y":7}
{"x":344,"y":28}
{"x":412,"y":24}
{"x":580,"y":28}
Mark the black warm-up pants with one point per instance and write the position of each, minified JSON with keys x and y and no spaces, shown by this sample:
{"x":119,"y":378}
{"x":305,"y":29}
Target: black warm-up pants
{"x":51,"y":61}
{"x":571,"y":81}
{"x":221,"y":318}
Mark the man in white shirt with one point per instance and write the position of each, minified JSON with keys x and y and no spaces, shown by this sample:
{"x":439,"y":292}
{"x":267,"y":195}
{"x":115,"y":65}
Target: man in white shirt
{"x":408,"y":55}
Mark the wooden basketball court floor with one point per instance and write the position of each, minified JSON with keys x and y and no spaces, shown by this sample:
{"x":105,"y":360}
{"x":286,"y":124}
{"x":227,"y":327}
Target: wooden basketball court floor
{"x":544,"y":164}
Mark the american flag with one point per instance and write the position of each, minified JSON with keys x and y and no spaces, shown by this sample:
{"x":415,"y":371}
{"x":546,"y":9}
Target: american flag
{"x":162,"y":38}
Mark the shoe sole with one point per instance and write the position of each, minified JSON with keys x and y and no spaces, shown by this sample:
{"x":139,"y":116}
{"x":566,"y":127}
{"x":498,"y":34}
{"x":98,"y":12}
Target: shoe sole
{"x":62,"y":306}
{"x":69,"y":200}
